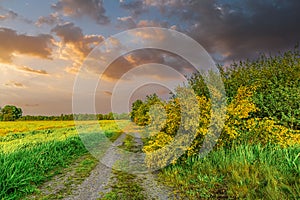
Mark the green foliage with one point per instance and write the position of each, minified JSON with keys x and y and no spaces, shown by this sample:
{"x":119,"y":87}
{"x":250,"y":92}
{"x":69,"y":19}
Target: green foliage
{"x":281,"y":103}
{"x":10,"y":113}
{"x":135,"y":107}
{"x":140,"y":109}
{"x":277,"y":83}
{"x":78,"y":117}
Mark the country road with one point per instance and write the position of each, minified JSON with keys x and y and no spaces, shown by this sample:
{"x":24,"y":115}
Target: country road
{"x":103,"y":178}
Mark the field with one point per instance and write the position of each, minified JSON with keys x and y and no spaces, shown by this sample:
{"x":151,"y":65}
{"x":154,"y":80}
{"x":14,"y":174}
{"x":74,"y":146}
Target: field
{"x":255,"y":156}
{"x":32,"y":152}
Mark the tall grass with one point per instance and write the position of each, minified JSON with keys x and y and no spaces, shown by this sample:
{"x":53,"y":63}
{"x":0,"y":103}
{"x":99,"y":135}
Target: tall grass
{"x":24,"y":169}
{"x":29,"y":158}
{"x":244,"y":171}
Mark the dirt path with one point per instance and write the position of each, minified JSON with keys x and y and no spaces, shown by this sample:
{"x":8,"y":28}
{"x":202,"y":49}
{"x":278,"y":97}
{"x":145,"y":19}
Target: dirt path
{"x":139,"y":185}
{"x":96,"y":183}
{"x":152,"y":188}
{"x":104,"y":182}
{"x":61,"y":184}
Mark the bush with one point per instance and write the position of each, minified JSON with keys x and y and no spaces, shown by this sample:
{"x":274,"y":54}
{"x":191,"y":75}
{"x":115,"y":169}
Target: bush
{"x":277,"y":83}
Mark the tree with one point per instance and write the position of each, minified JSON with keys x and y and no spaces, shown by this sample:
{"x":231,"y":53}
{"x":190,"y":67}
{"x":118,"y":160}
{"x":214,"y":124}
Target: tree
{"x":140,"y":109}
{"x":135,"y":106}
{"x":10,"y":113}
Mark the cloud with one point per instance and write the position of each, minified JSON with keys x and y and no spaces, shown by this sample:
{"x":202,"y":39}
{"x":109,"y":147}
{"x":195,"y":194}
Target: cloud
{"x":30,"y":70}
{"x":12,"y":42}
{"x":139,"y":7}
{"x":152,"y":23}
{"x":236,"y":29}
{"x":129,"y":22}
{"x":14,"y":84}
{"x":136,"y":7}
{"x":74,"y":44}
{"x":68,"y":32}
{"x":79,"y":8}
{"x":146,"y":56}
{"x":108,"y":93}
{"x":51,"y":19}
{"x":71,"y":34}
{"x":11,"y":15}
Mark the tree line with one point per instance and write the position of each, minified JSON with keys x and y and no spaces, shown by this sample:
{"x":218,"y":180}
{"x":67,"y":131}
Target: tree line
{"x":13,"y":113}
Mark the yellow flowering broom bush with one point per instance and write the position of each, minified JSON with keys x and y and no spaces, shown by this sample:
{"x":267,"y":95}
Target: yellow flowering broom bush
{"x":240,"y":127}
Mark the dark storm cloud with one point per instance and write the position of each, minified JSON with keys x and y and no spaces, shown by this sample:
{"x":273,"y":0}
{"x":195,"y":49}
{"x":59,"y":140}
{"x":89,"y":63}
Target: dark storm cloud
{"x":12,"y":42}
{"x":237,"y":29}
{"x":79,"y":8}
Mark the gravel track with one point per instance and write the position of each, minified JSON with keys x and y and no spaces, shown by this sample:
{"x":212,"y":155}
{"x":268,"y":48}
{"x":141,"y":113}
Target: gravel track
{"x":98,"y":181}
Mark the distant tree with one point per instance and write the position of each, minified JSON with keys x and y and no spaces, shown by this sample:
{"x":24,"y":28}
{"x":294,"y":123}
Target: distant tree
{"x":140,"y":109}
{"x":99,"y":116}
{"x":135,"y":106}
{"x":10,"y":113}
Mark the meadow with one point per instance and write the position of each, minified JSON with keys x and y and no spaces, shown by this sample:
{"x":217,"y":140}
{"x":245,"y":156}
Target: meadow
{"x":256,"y":156}
{"x":32,"y":152}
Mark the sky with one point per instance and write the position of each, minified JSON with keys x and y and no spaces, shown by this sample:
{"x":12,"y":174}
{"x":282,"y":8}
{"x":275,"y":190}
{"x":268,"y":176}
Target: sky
{"x":44,"y":44}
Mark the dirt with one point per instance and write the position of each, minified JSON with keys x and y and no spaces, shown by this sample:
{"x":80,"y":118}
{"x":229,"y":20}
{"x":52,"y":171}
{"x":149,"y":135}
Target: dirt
{"x":97,"y":183}
{"x":60,"y":184}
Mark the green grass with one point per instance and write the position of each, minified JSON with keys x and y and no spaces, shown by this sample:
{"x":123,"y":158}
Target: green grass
{"x":251,"y":172}
{"x":27,"y":159}
{"x":24,"y":169}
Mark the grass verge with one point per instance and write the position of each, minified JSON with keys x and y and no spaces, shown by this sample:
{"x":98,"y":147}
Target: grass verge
{"x":252,"y":172}
{"x":23,"y":170}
